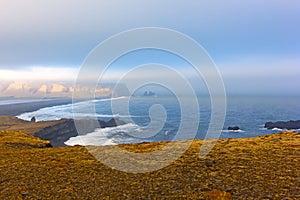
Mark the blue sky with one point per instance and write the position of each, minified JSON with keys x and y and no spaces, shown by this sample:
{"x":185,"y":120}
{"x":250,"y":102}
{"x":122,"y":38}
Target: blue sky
{"x":255,"y":44}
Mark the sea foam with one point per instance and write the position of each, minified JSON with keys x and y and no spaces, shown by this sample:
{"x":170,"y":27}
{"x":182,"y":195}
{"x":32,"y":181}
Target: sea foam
{"x":66,"y":111}
{"x":108,"y":136}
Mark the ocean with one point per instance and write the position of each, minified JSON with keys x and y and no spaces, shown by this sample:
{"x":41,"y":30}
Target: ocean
{"x":249,"y":113}
{"x":18,"y":101}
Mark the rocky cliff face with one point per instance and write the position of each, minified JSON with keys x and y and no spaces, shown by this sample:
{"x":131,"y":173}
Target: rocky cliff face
{"x":283,"y":125}
{"x":46,"y":90}
{"x":59,"y":133}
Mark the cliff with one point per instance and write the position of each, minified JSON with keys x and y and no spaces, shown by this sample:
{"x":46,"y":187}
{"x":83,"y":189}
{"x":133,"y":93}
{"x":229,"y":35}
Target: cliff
{"x":62,"y":131}
{"x":47,"y":90}
{"x":283,"y":125}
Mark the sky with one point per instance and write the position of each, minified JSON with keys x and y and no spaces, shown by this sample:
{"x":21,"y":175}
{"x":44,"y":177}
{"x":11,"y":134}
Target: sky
{"x":254,"y":44}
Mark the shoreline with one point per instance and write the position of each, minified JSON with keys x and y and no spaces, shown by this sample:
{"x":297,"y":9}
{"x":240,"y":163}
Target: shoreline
{"x":19,"y":108}
{"x":61,"y":131}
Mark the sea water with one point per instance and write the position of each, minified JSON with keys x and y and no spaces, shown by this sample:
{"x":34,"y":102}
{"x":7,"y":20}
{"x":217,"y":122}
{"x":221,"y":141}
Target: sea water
{"x":249,"y":113}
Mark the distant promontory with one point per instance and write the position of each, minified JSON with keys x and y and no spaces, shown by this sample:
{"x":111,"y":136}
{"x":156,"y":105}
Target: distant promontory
{"x":283,"y":124}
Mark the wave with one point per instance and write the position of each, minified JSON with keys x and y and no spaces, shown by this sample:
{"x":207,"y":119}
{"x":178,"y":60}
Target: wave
{"x":278,"y":129}
{"x":108,"y":136}
{"x":110,"y":99}
{"x":66,"y":111}
{"x":233,"y":131}
{"x":50,"y":116}
{"x":100,"y":100}
{"x":48,"y":113}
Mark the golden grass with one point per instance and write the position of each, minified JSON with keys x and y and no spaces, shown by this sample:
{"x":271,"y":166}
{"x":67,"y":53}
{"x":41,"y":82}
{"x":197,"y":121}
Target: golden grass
{"x":19,"y":140}
{"x":11,"y":123}
{"x":265,"y":167}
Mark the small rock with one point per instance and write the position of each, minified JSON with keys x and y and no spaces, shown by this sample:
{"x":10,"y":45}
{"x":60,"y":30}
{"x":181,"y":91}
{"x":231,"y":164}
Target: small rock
{"x":209,"y":163}
{"x":24,"y":193}
{"x":233,"y":128}
{"x":229,"y":189}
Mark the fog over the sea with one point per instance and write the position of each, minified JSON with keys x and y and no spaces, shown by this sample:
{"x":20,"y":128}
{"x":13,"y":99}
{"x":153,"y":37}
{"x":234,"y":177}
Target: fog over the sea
{"x":254,"y":44}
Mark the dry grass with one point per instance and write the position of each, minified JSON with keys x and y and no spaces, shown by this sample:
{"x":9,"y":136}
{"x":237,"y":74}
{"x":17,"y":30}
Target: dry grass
{"x":11,"y":123}
{"x":265,"y":167}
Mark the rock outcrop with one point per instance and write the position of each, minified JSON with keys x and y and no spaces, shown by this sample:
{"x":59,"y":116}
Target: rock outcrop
{"x":33,"y":120}
{"x":148,"y":94}
{"x":233,"y":128}
{"x":283,"y":125}
{"x":59,"y":133}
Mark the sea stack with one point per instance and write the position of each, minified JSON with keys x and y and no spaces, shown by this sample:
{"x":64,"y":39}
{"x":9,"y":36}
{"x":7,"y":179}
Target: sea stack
{"x":233,"y":128}
{"x":33,"y":120}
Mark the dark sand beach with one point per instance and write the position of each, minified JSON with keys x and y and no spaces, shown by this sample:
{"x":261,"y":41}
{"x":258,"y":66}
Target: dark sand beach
{"x":19,"y":108}
{"x":264,"y":167}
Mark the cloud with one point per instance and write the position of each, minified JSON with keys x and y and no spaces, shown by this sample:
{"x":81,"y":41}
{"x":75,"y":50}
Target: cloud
{"x":58,"y":32}
{"x":255,"y":45}
{"x":261,"y":66}
{"x":262,"y":76}
{"x":40,"y":73}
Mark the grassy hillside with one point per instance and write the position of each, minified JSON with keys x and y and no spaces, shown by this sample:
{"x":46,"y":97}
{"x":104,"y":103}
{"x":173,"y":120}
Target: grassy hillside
{"x":11,"y":123}
{"x":265,"y":167}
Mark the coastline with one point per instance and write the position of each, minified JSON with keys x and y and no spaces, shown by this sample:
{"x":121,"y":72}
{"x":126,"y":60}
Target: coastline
{"x":249,"y":114}
{"x":263,"y":167}
{"x":15,"y":109}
